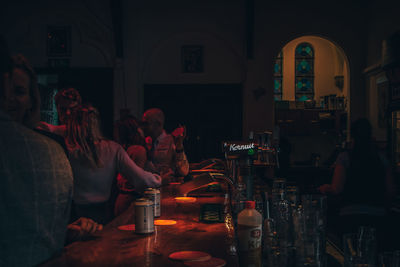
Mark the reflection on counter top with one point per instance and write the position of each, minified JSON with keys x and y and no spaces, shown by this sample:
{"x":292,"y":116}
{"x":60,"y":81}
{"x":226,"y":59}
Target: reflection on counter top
{"x":113,"y":247}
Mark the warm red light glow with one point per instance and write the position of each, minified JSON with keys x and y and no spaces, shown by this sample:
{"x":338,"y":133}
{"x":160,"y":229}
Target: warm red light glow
{"x":190,"y":256}
{"x":164,"y":222}
{"x":185,"y":199}
{"x":128,"y":227}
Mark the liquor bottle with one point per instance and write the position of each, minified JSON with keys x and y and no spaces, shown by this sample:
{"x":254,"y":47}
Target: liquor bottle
{"x":249,"y":233}
{"x":240,"y":197}
{"x":259,"y":201}
{"x":283,"y":221}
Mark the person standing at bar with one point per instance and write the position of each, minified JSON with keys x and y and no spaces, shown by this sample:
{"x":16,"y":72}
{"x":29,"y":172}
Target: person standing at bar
{"x":95,"y":163}
{"x":167,"y":152}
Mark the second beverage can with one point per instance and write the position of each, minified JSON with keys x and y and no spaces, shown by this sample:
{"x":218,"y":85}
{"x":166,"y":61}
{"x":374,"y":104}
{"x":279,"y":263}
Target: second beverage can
{"x":154,"y":195}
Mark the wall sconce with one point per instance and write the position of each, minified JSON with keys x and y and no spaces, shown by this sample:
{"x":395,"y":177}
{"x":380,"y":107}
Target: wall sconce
{"x":259,"y":92}
{"x":339,"y":82}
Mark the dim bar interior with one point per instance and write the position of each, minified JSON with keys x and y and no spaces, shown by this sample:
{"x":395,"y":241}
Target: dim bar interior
{"x":200,"y":133}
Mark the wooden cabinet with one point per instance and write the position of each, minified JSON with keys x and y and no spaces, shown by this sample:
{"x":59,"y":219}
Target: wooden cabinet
{"x":309,"y":121}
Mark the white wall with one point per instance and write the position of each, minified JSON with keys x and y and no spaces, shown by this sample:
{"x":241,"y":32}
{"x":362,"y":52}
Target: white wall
{"x":221,"y":63}
{"x":155,"y":31}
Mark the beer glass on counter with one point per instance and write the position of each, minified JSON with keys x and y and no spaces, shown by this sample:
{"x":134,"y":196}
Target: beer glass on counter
{"x":389,"y":259}
{"x":359,"y":251}
{"x":311,"y":231}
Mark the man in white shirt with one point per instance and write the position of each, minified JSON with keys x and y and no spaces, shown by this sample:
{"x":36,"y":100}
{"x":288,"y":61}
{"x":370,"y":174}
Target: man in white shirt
{"x":167,"y":152}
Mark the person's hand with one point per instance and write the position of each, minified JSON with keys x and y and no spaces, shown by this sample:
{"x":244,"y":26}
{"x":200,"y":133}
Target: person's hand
{"x":179,"y":135}
{"x":325,"y":189}
{"x":82,"y":227}
{"x":44,"y":126}
{"x":149,"y":142}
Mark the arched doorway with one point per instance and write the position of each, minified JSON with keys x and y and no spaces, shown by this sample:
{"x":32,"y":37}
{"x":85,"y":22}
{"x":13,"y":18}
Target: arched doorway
{"x":311,"y":92}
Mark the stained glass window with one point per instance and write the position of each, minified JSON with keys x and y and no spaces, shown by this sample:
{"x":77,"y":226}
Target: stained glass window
{"x":278,"y":77}
{"x":304,"y":64}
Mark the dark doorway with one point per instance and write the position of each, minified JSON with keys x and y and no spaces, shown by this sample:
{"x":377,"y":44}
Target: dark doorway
{"x":94,"y":84}
{"x":212,"y":113}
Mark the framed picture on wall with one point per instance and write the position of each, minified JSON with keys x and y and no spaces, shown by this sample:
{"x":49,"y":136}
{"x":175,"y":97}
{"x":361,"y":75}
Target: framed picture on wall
{"x":192,"y":59}
{"x":58,"y":41}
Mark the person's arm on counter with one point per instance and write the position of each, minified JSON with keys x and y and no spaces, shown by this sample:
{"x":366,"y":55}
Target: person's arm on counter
{"x":81,"y":228}
{"x":138,"y":177}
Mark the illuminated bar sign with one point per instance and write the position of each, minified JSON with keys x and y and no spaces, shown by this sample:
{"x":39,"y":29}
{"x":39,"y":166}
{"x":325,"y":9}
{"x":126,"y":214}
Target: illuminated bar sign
{"x":238,"y":147}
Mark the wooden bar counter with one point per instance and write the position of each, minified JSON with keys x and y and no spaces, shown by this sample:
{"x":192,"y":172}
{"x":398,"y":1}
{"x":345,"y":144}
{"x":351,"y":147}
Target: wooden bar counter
{"x":114,"y":247}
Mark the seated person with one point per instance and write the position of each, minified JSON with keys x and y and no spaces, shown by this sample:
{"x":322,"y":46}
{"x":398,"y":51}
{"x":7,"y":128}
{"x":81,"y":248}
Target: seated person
{"x":95,"y":163}
{"x":364,"y":179}
{"x":36,"y":178}
{"x":131,"y":138}
{"x":167,"y":152}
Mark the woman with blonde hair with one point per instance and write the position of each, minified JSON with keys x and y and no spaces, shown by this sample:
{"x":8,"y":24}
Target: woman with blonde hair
{"x":96,"y":162}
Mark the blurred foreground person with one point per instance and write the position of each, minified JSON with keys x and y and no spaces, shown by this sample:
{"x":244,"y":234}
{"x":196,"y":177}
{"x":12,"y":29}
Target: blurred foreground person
{"x":36,"y":178}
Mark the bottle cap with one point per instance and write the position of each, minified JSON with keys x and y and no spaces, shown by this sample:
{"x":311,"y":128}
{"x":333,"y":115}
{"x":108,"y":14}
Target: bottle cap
{"x":250,"y":204}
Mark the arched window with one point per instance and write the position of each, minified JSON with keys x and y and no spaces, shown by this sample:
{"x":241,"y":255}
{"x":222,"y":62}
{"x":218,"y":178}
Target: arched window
{"x":304,"y":64}
{"x":278,"y":77}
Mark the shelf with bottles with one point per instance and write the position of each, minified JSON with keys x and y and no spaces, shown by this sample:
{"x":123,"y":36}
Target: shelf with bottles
{"x":265,"y":152}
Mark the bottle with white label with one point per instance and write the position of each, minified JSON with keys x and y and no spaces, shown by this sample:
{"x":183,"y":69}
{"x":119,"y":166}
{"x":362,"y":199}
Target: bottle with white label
{"x":249,"y":233}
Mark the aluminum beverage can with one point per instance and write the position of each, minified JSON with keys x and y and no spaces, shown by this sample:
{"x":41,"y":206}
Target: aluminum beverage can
{"x":154,"y":195}
{"x":144,"y":216}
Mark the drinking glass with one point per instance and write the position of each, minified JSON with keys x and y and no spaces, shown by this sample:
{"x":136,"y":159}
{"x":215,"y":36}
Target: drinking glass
{"x":359,"y":250}
{"x":389,"y":259}
{"x":310,"y":231}
{"x":274,"y":254}
{"x":366,"y":232}
{"x":292,"y":194}
{"x":278,"y":188}
{"x":278,"y":193}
